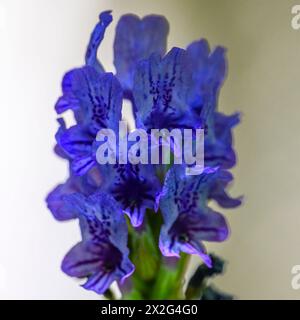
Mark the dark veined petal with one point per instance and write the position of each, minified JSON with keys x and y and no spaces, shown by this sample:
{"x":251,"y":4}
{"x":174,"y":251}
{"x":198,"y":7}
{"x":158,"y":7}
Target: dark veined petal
{"x":76,"y":141}
{"x":183,"y":192}
{"x":187,"y":219}
{"x":82,"y":260}
{"x":68,"y":100}
{"x":101,"y":262}
{"x":135,"y":40}
{"x":81,"y":165}
{"x":135,"y":187}
{"x":162,"y":92}
{"x":97,"y":36}
{"x":100,"y":217}
{"x":96,"y":99}
{"x":189,"y":230}
{"x":102,"y":256}
{"x":115,"y":265}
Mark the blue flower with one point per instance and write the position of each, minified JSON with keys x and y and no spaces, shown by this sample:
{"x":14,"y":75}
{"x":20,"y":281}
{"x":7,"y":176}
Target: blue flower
{"x":163,"y":92}
{"x":181,"y":91}
{"x":136,"y":39}
{"x":102,"y":255}
{"x":174,"y":90}
{"x":96,"y":100}
{"x":135,"y":187}
{"x":188,"y":221}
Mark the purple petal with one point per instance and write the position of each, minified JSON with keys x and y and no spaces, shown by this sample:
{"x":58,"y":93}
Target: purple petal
{"x":102,"y":256}
{"x":135,"y":187}
{"x":56,"y":203}
{"x":219,"y":194}
{"x":162,"y":91}
{"x":137,"y":39}
{"x":96,"y":39}
{"x":218,"y":143}
{"x":187,"y":219}
{"x":81,"y":165}
{"x":97,"y":97}
{"x":99,"y":282}
{"x":209,"y":68}
{"x":76,"y":142}
{"x":82,"y":260}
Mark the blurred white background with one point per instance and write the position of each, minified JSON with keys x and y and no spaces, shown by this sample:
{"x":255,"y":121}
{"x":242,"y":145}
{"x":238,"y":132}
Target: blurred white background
{"x":41,"y":39}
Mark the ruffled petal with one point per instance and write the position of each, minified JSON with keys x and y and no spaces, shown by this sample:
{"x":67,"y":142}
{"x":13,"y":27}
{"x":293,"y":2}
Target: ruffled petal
{"x":76,"y":144}
{"x":96,"y":99}
{"x":100,"y":217}
{"x":218,"y":144}
{"x":187,"y":219}
{"x":101,"y":263}
{"x":219,"y":194}
{"x":82,"y":260}
{"x":135,"y":187}
{"x":102,"y":256}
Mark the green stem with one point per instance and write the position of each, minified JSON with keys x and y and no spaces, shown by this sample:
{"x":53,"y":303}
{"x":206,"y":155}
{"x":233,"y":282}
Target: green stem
{"x":155,"y":277}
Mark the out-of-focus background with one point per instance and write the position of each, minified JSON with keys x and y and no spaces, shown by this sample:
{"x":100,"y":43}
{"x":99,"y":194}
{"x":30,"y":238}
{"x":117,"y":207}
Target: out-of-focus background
{"x":41,"y":39}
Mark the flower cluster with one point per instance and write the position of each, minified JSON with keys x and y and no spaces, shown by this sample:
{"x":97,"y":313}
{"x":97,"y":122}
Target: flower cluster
{"x":178,"y":89}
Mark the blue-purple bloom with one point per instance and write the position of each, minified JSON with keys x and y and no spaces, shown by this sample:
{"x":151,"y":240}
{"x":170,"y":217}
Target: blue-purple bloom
{"x":163,"y":92}
{"x":135,"y":187}
{"x":187,"y":219}
{"x":135,"y":40}
{"x":102,"y":255}
{"x":178,"y":89}
{"x":96,"y":99}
